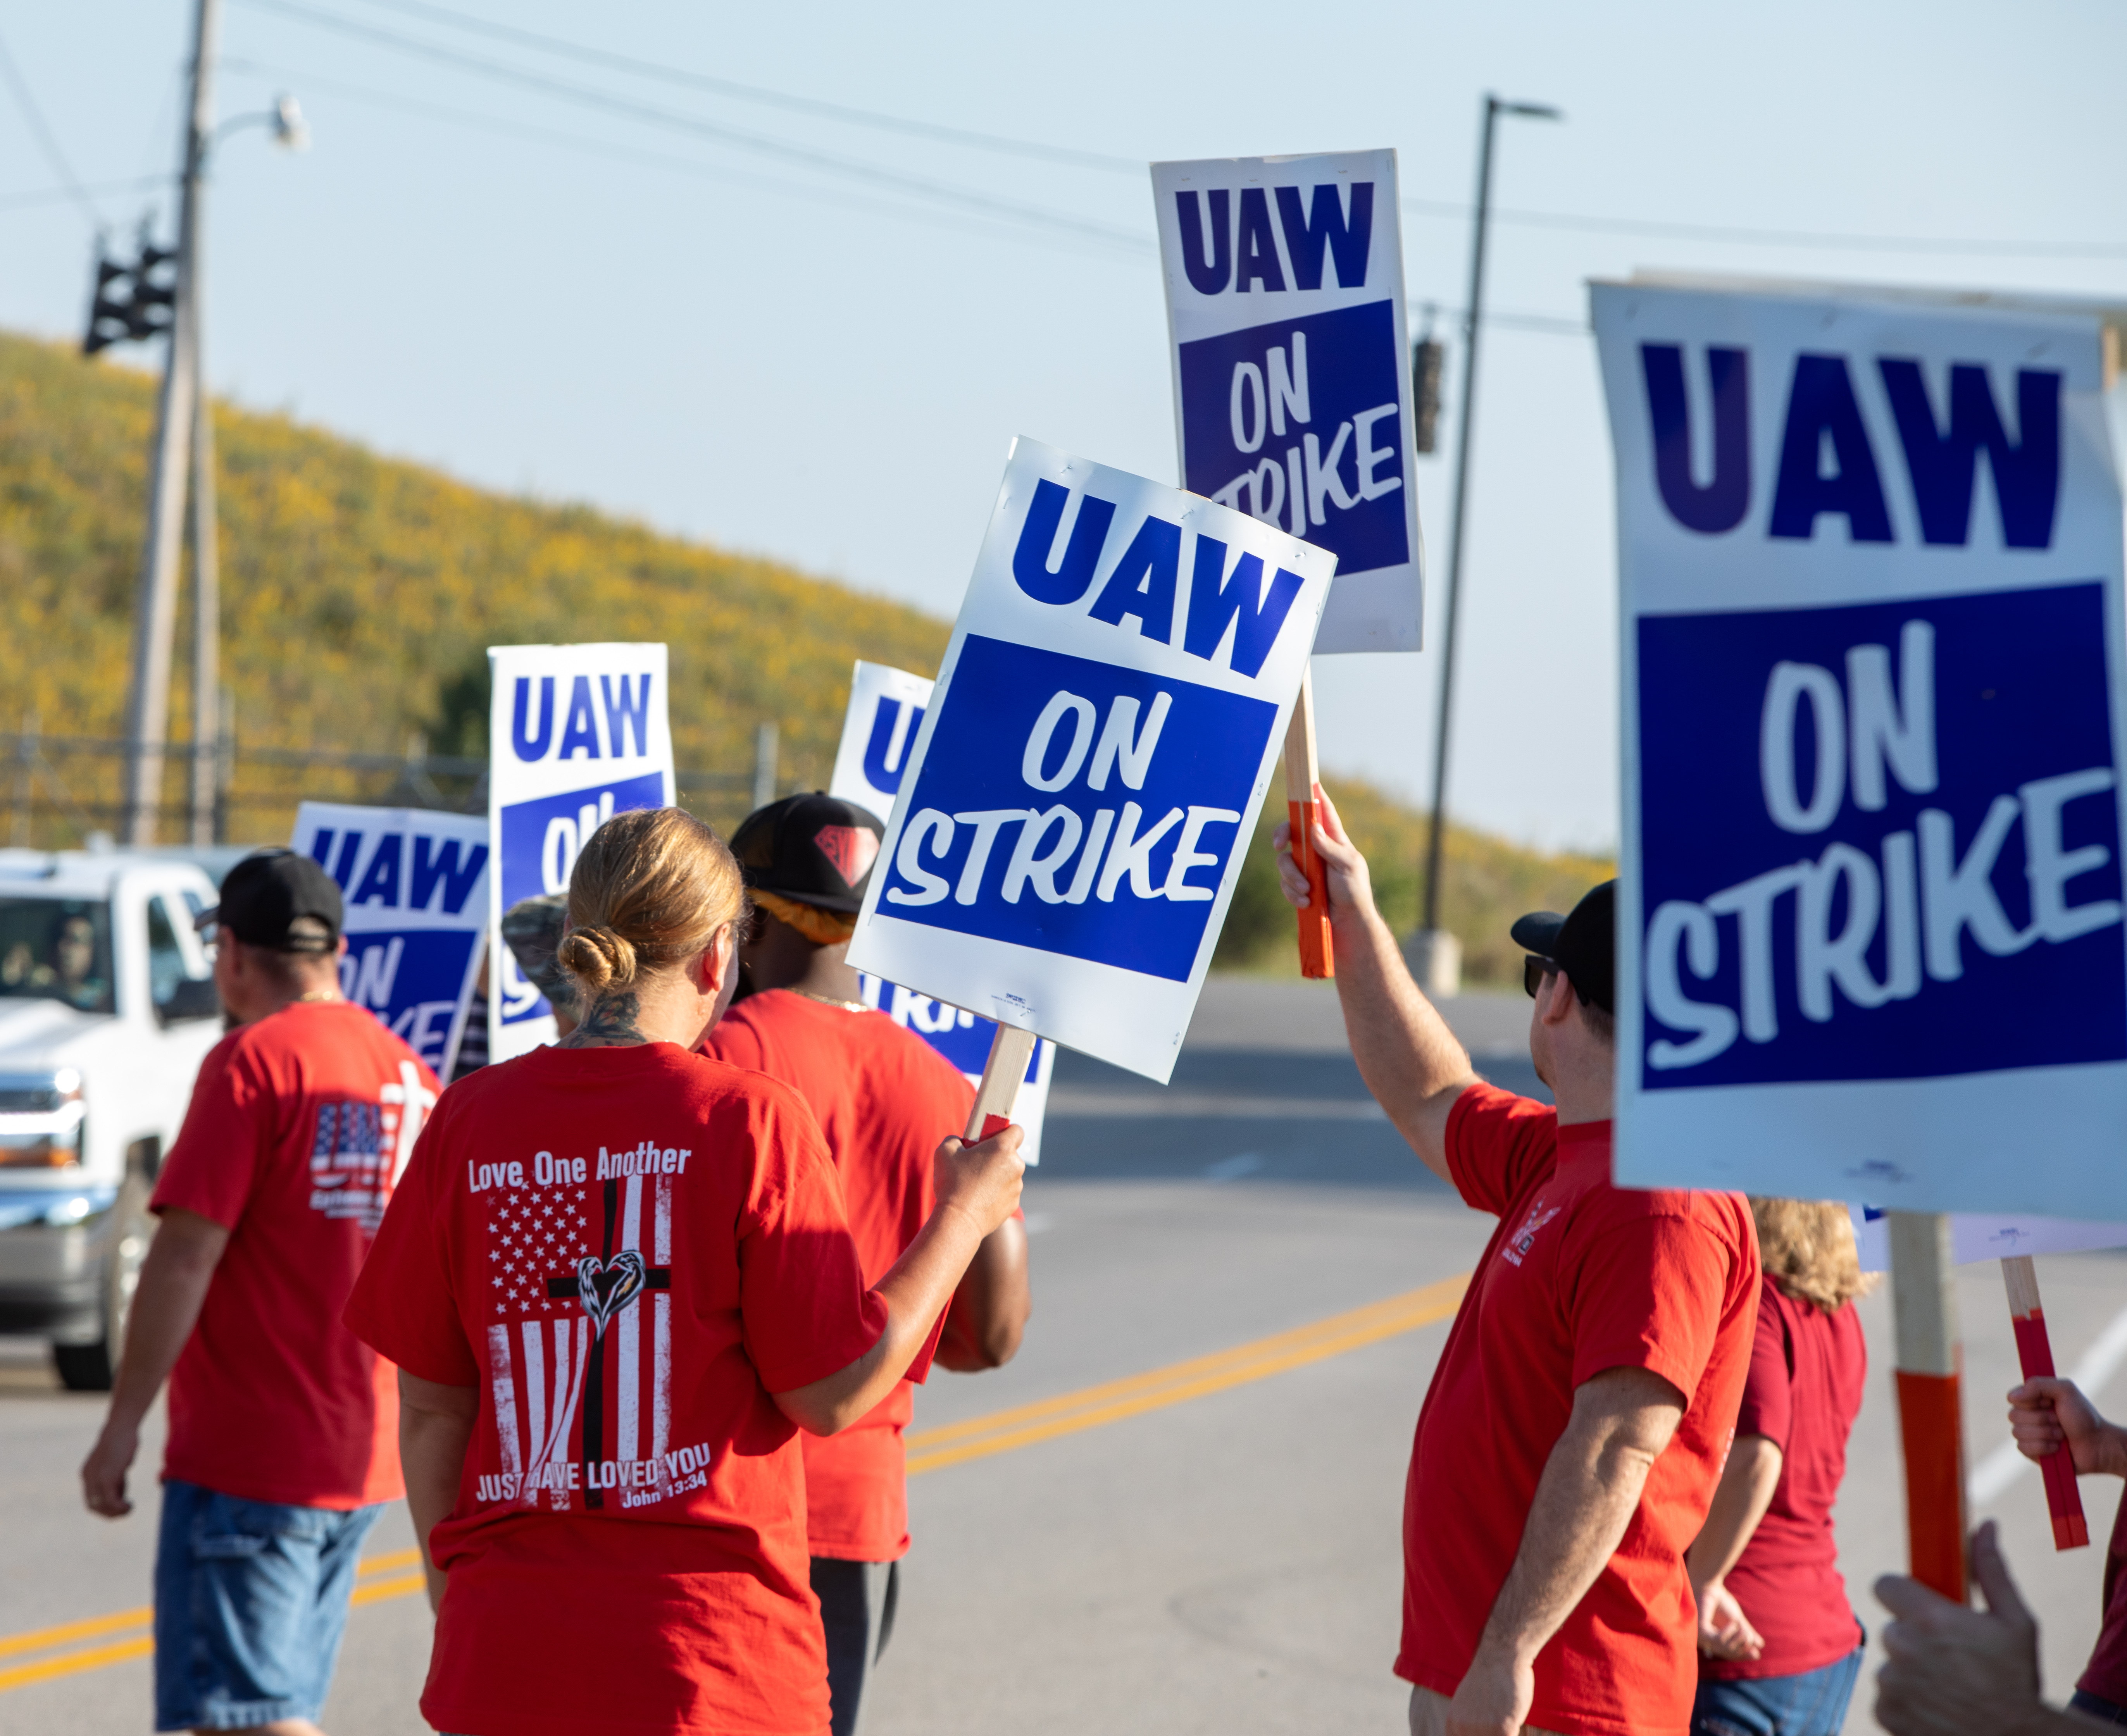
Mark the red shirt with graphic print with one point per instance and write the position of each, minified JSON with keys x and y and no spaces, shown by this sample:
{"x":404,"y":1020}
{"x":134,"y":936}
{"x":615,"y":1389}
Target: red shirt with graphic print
{"x":626,"y":1251}
{"x":884,"y":1098}
{"x":298,"y":1126}
{"x":1581,"y":1277}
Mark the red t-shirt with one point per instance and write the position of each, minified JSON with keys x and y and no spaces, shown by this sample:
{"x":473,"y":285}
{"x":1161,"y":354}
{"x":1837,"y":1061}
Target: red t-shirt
{"x":885,"y":1098}
{"x":1807,"y":1370}
{"x":1581,"y":1277}
{"x":298,"y":1127}
{"x":626,"y":1251}
{"x":2105,"y":1675}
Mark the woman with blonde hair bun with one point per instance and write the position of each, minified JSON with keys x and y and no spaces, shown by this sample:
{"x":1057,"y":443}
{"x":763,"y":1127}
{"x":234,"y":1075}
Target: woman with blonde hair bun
{"x":1779,"y":1647}
{"x":618,"y":1281}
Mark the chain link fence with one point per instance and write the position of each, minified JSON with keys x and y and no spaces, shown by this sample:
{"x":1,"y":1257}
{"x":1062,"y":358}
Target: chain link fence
{"x":63,"y":791}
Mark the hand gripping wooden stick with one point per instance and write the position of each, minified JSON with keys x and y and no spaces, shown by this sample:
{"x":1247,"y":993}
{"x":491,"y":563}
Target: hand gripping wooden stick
{"x":2035,"y":1351}
{"x":1009,"y":1051}
{"x":1303,"y":806}
{"x":1931,"y":1418}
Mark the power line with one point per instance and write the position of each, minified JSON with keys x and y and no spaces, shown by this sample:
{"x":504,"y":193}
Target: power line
{"x":63,"y":194}
{"x":1782,"y":238}
{"x":579,"y":51}
{"x":588,"y":97}
{"x":47,"y":140}
{"x":655,"y":159}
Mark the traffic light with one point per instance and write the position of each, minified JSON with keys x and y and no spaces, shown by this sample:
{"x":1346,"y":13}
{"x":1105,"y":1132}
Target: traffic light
{"x":1427,"y":357}
{"x":133,"y":302}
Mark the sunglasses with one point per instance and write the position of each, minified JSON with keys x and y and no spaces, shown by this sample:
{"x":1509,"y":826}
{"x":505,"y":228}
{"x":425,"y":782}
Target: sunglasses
{"x":1534,"y":970}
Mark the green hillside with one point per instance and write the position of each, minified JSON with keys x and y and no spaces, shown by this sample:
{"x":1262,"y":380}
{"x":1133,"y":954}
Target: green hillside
{"x":360,"y":592}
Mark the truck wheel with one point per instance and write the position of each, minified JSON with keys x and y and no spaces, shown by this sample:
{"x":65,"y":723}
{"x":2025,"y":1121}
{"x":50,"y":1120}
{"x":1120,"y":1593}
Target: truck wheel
{"x":89,"y":1368}
{"x":84,"y":1368}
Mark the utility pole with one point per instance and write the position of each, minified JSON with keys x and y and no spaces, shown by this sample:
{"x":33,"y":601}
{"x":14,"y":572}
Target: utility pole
{"x":1429,"y":945}
{"x":177,"y":416}
{"x":207,"y":586}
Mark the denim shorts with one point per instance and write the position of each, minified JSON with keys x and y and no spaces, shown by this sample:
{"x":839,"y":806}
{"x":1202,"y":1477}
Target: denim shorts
{"x":1812,"y":1703}
{"x":251,"y":1601}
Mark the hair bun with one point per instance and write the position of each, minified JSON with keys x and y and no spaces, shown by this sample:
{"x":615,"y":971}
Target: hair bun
{"x":598,"y":958}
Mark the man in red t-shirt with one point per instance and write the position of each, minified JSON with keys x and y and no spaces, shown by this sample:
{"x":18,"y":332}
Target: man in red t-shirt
{"x":1569,"y":1446}
{"x":283,"y":1426}
{"x":883,"y":1098}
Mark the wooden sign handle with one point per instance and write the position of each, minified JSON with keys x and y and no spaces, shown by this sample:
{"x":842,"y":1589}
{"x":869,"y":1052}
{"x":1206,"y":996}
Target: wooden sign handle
{"x":1930,"y":1414}
{"x":1303,"y":806}
{"x":2035,"y":1351}
{"x":1009,"y":1051}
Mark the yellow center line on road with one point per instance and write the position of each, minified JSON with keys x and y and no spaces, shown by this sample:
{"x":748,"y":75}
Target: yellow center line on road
{"x":43,"y":1639}
{"x":398,"y":1574}
{"x":1003,"y":1432}
{"x":71,"y":1663}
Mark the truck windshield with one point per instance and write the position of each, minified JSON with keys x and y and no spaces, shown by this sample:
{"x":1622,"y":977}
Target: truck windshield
{"x":56,"y":949}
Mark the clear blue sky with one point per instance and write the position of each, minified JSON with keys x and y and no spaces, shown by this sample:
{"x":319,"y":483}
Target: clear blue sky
{"x":815,"y":361}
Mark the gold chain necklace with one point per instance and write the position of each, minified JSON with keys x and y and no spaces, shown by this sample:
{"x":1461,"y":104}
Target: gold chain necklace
{"x":847,"y":1006}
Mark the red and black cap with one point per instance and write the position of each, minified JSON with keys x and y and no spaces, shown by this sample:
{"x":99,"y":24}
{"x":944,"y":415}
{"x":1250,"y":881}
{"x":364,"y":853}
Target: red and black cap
{"x":279,"y":900}
{"x":812,"y":850}
{"x":1582,"y":944}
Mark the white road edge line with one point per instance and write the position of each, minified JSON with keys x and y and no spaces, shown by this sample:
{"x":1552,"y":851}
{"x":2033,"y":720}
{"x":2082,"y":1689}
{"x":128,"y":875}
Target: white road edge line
{"x":2000,"y":1468}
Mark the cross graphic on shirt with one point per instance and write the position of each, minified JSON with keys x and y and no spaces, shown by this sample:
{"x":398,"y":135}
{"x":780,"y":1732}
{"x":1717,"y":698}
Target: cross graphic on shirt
{"x":581,"y":1286}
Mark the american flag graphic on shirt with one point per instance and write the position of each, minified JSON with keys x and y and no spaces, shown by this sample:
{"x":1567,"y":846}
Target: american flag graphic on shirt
{"x":579,"y":1343}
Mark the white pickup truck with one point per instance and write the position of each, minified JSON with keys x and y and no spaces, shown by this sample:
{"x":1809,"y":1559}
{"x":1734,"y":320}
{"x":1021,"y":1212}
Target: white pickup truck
{"x":107,"y":1007}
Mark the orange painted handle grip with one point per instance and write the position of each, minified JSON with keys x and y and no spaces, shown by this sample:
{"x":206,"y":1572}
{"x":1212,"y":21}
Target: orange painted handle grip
{"x":2035,"y":1351}
{"x":1929,"y":1422}
{"x":1318,"y":953}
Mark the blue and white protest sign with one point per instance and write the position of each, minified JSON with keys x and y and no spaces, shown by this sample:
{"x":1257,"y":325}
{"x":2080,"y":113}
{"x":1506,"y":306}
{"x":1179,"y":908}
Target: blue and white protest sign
{"x":578,"y":733}
{"x":1110,"y":709}
{"x":414,"y":885}
{"x":1292,"y":400}
{"x":878,"y":740}
{"x":1870,"y":941}
{"x":878,"y":736}
{"x":1974,"y":1237}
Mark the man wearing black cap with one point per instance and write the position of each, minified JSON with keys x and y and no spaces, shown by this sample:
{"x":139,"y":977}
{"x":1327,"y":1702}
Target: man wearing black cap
{"x":883,"y":1098}
{"x":283,"y":1426}
{"x":1575,"y":1430}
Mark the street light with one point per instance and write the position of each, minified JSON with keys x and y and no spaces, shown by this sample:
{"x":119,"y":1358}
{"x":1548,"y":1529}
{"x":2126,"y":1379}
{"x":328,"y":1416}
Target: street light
{"x":1436,"y":959}
{"x":284,"y":121}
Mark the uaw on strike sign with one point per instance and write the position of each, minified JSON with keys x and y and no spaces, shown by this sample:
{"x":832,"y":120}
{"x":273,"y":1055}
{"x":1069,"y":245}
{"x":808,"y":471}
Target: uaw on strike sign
{"x":1870,"y":935}
{"x":1113,"y":703}
{"x":577,"y":734}
{"x":414,"y":891}
{"x":878,"y":739}
{"x":1284,"y":307}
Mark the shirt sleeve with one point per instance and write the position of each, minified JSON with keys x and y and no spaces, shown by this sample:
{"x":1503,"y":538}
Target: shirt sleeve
{"x":1646,"y":1293}
{"x":807,"y":1312}
{"x":405,"y":1305}
{"x":214,"y":1161}
{"x":1494,"y":1139}
{"x":1769,"y":1386}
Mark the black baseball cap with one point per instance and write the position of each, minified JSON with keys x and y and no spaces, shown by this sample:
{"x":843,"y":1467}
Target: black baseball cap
{"x":812,"y":850}
{"x":268,"y":893}
{"x":1582,"y":944}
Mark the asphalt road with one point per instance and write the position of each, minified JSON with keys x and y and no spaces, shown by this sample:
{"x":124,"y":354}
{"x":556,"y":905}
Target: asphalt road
{"x":1214,"y":1548}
